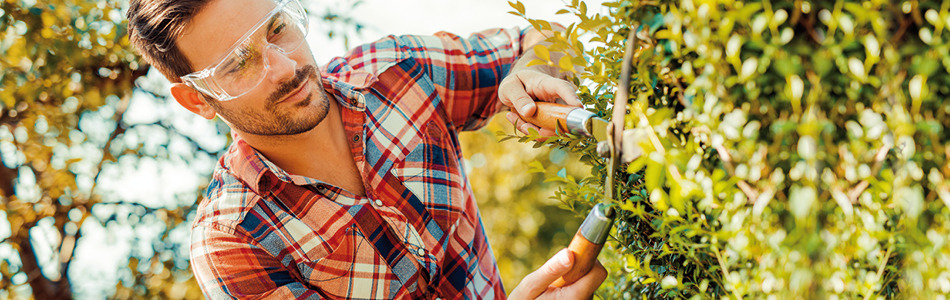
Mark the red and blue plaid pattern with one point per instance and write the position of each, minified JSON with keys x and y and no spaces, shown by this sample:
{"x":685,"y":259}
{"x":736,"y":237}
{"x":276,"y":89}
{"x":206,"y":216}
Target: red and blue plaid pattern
{"x":417,"y":233}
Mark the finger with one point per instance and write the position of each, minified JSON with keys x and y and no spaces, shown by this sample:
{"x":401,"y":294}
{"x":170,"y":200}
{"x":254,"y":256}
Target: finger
{"x":526,"y":127}
{"x":547,"y":132}
{"x":512,"y":118}
{"x":515,"y":96}
{"x":564,"y":90}
{"x":538,"y":281}
{"x":550,"y":89}
{"x":585,"y":287}
{"x":520,"y":124}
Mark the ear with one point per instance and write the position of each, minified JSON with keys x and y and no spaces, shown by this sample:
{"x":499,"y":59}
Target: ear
{"x":190,"y":99}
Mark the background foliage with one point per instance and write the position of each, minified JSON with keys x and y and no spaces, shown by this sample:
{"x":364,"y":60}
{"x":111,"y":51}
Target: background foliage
{"x":96,"y":164}
{"x":524,"y":225}
{"x":790,"y":149}
{"x":795,"y":149}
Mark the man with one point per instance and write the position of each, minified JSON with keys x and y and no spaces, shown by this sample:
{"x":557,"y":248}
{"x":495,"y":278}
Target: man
{"x":344,"y":182}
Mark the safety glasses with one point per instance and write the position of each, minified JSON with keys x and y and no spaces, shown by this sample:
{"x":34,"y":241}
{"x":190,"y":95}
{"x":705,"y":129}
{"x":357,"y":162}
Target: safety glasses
{"x":245,"y":65}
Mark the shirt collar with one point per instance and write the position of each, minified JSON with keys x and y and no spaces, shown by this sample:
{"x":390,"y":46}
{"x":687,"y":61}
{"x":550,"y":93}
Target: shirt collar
{"x":347,"y":87}
{"x":251,"y":167}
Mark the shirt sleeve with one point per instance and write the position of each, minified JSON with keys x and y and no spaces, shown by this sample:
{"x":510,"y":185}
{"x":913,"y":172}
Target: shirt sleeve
{"x":466,"y":71}
{"x":227,"y":265}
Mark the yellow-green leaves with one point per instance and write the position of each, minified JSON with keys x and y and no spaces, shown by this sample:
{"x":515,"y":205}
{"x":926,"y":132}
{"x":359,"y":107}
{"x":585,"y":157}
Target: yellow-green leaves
{"x":794,"y":90}
{"x":518,"y":7}
{"x":565,"y":64}
{"x":917,"y":87}
{"x":789,"y":149}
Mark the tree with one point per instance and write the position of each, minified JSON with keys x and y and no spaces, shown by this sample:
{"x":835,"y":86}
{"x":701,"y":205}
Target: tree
{"x":61,"y":64}
{"x":88,"y":147}
{"x":795,"y":149}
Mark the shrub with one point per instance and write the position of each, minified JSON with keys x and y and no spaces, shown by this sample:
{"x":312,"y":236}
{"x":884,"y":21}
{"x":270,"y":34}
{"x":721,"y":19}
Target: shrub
{"x":795,"y":149}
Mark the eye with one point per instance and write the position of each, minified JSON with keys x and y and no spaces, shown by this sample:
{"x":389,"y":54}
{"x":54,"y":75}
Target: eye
{"x":276,"y":27}
{"x":243,"y":57}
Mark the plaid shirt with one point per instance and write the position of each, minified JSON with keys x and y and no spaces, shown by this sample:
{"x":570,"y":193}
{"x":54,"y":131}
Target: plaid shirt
{"x":263,"y":232}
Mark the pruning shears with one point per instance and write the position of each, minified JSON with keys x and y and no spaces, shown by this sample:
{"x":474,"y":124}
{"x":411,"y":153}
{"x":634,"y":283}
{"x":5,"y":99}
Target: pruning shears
{"x":591,"y":236}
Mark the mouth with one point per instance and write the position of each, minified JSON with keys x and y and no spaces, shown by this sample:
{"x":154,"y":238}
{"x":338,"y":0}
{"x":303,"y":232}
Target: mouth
{"x":299,"y":93}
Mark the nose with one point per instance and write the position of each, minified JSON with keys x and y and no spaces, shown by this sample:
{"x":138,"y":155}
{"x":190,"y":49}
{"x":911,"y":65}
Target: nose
{"x":281,"y":66}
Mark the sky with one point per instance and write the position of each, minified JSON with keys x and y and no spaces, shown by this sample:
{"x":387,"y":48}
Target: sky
{"x":461,"y":17}
{"x":103,"y":249}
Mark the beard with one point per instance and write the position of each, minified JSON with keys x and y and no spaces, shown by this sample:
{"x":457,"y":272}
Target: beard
{"x":276,"y":121}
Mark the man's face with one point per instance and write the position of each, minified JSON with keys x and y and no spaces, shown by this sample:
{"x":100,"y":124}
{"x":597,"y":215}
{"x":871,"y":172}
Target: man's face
{"x":290,"y":98}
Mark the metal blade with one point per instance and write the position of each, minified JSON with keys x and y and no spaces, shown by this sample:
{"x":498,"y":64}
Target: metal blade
{"x":598,"y":128}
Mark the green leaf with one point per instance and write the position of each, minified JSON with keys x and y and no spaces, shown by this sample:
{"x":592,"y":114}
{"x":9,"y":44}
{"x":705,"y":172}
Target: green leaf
{"x":654,"y":171}
{"x":536,"y":62}
{"x":542,"y":52}
{"x":535,"y":167}
{"x":565,"y":63}
{"x":637,"y":164}
{"x":518,"y":6}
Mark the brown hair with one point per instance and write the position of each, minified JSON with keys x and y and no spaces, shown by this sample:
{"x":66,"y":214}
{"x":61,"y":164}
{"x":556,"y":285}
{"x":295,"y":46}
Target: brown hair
{"x":154,"y":27}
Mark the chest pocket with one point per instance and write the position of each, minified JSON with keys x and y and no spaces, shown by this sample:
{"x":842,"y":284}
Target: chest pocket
{"x":328,"y":250}
{"x":335,"y":272}
{"x":432,"y":173}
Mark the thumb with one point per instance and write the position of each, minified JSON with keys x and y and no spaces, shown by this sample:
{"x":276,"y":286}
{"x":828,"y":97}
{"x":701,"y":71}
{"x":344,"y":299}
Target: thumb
{"x":538,"y":281}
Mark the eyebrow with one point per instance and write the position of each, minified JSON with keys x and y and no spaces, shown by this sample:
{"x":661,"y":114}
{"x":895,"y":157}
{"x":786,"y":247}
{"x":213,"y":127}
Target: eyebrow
{"x":244,"y":50}
{"x":273,"y":19}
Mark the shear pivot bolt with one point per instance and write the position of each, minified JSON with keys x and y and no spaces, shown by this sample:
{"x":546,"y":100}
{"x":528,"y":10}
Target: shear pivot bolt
{"x":603,"y":149}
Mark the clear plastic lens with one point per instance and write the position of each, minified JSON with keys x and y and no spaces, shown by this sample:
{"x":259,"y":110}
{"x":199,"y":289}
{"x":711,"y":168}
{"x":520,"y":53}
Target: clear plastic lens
{"x":242,"y":69}
{"x":245,"y":66}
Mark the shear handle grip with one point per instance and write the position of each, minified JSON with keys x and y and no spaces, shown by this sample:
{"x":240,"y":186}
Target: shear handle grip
{"x":585,"y":254}
{"x":552,"y":116}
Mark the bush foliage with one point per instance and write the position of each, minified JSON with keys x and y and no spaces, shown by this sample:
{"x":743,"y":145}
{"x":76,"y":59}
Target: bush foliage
{"x":795,"y":149}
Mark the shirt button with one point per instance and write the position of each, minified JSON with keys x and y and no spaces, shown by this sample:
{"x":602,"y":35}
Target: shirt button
{"x":379,"y":202}
{"x":421,"y":252}
{"x":356,"y":138}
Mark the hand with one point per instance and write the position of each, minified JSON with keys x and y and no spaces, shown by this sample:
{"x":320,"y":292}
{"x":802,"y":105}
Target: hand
{"x":537,"y":285}
{"x":519,"y":90}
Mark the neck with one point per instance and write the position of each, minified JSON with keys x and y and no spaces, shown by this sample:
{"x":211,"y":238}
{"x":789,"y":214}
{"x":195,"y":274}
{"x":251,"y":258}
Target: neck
{"x":322,"y":153}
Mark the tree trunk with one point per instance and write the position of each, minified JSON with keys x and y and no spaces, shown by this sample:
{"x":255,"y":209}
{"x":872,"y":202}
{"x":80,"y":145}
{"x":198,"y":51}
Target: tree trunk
{"x":43,"y":288}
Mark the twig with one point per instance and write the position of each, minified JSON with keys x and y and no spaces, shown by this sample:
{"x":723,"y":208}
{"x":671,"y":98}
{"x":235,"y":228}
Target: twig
{"x":880,"y":268}
{"x":859,"y":188}
{"x":879,"y":158}
{"x":905,"y":23}
{"x":119,"y":115}
{"x":856,"y":191}
{"x":725,"y":270}
{"x":809,"y":24}
{"x":679,"y":90}
{"x":617,"y":120}
{"x":750,"y":192}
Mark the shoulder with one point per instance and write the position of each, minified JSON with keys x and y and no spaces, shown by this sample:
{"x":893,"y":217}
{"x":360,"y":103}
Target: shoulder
{"x":226,"y":201}
{"x":374,"y":58}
